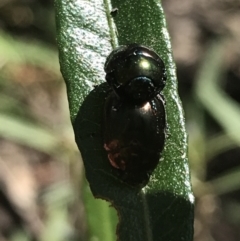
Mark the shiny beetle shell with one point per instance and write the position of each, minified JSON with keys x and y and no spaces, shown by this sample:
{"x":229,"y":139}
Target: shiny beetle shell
{"x":135,"y":73}
{"x":134,"y":112}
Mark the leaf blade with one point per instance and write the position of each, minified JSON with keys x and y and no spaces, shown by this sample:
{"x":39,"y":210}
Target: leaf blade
{"x":84,"y":42}
{"x":141,"y":22}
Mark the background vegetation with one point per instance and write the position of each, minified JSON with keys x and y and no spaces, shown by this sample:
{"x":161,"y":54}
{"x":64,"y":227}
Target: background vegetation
{"x":41,"y":184}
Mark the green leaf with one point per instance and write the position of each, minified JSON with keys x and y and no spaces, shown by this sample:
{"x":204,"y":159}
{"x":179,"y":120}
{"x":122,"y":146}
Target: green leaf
{"x":226,"y":183}
{"x":16,"y":51}
{"x":225,"y":110}
{"x":20,"y":131}
{"x":163,"y":210}
{"x":101,"y":218}
{"x":57,"y":199}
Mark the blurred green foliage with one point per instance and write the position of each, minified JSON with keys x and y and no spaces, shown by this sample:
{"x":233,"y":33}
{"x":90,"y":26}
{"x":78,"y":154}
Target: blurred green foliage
{"x":28,"y":123}
{"x":23,"y":51}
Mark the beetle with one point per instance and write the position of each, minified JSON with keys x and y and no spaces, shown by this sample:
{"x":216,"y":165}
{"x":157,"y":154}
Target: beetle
{"x":134,"y":120}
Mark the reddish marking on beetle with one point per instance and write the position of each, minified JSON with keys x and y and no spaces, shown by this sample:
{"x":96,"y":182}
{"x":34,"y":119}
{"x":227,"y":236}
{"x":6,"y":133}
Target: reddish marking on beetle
{"x":115,"y":162}
{"x":114,"y":155}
